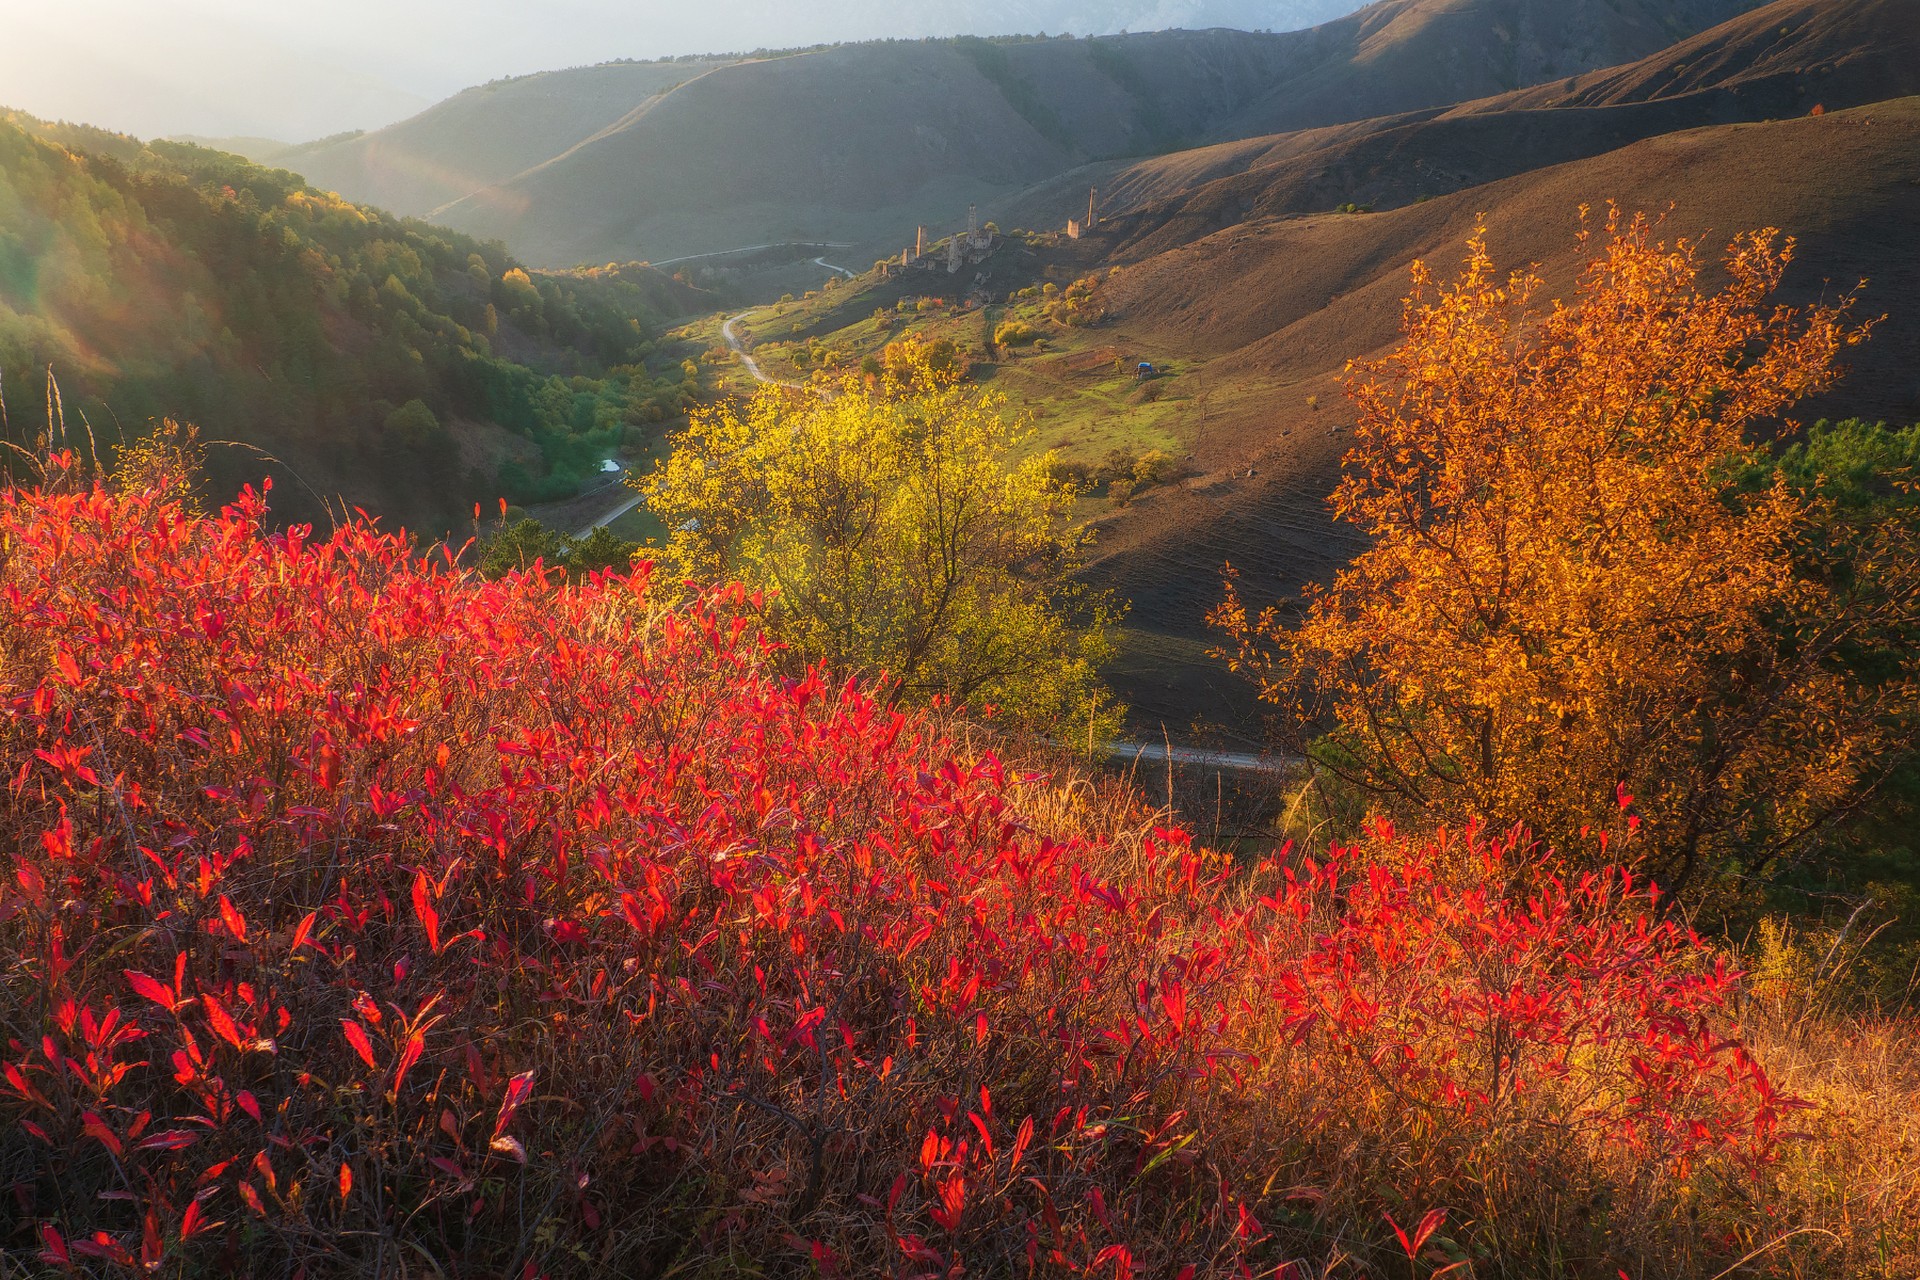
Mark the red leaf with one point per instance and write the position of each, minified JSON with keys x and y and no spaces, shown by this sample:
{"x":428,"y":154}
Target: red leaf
{"x":152,"y":1248}
{"x":1020,"y":1142}
{"x":1428,"y":1225}
{"x":151,"y":988}
{"x":221,"y":1022}
{"x":518,"y":1089}
{"x":326,"y":770}
{"x":423,"y":908}
{"x":357,"y":1037}
{"x":986,"y":1135}
{"x":54,"y":1251}
{"x":94,"y":1127}
{"x":1174,"y":997}
{"x":410,"y":1054}
{"x":193,"y":1222}
{"x":231,"y":917}
{"x":170,"y":1140}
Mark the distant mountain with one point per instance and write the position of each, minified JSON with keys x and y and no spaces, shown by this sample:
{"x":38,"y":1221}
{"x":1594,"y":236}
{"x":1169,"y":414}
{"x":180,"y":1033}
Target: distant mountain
{"x":1404,"y":55}
{"x":491,"y":133}
{"x":402,"y":368}
{"x":485,"y":135}
{"x":1778,"y":61}
{"x":859,"y":144}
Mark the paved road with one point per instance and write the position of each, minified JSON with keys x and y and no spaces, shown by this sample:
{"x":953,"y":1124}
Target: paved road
{"x":1230,"y":761}
{"x":626,"y":504}
{"x":752,"y":248}
{"x":614,"y":514}
{"x":822,"y":262}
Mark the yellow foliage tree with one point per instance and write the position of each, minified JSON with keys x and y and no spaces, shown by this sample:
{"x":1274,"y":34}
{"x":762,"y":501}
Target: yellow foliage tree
{"x":896,"y":534}
{"x":1566,"y":598}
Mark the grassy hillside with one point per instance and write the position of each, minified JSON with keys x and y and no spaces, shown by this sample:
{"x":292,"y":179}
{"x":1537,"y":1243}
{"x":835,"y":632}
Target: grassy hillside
{"x":858,"y":144}
{"x":405,"y":368}
{"x":854,"y":144}
{"x":485,"y":135}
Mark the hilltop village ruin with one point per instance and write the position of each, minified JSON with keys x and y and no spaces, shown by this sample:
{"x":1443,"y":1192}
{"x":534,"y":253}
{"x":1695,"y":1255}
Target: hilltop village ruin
{"x":977,"y":243}
{"x":964,"y":249}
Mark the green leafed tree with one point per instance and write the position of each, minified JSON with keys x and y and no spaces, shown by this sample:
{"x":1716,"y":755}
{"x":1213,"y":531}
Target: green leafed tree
{"x":896,"y":533}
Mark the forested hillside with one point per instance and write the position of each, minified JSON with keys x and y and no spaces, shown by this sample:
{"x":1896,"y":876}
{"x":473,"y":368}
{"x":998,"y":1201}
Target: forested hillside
{"x":404,"y":368}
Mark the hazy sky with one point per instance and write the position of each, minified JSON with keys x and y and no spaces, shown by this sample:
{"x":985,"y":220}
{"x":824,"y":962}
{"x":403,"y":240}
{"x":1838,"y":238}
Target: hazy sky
{"x":300,"y":71}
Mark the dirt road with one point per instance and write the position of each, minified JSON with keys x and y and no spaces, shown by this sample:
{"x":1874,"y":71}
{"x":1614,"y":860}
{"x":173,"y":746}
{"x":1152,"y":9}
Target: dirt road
{"x":753,"y":366}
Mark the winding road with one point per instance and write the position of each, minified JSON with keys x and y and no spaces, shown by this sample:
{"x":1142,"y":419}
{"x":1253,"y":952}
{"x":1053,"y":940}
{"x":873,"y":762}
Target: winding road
{"x":753,"y":366}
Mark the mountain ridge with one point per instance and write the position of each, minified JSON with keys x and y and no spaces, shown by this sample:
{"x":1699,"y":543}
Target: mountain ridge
{"x":862,"y":142}
{"x":1777,"y":61}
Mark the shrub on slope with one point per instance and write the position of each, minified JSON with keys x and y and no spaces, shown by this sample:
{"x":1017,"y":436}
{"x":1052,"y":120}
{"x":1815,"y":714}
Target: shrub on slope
{"x":368,"y":917}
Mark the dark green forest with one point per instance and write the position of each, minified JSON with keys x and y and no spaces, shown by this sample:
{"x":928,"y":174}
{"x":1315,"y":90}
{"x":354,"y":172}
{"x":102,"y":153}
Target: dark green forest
{"x":359,"y":358}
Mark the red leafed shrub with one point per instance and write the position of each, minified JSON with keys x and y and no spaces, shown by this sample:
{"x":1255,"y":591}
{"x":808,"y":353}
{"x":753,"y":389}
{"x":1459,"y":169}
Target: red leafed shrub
{"x":362,"y":912}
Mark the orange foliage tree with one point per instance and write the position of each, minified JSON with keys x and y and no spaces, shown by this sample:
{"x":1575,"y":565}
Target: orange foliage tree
{"x":1566,"y":597}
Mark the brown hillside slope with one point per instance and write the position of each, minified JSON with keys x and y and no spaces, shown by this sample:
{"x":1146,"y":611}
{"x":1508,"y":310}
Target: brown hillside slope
{"x":1405,"y":55}
{"x":483,"y":135}
{"x":1776,"y":62}
{"x":1274,"y":308}
{"x":859,"y":143}
{"x":1785,"y":57}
